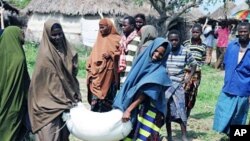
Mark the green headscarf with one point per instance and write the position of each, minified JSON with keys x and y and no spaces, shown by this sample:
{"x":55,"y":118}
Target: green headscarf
{"x":14,"y":83}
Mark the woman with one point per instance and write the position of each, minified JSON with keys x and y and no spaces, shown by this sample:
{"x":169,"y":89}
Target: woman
{"x":14,"y":84}
{"x":140,"y":20}
{"x":144,"y":87}
{"x":148,"y":34}
{"x":102,"y":68}
{"x":54,"y":87}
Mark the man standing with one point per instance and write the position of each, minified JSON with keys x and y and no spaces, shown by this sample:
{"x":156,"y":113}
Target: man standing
{"x":232,"y":106}
{"x":128,"y":46}
{"x":222,"y":33}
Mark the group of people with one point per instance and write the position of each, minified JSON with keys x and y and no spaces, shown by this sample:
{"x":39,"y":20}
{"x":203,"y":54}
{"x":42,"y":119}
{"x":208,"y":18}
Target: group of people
{"x":36,"y":105}
{"x":218,"y":36}
{"x":153,"y":80}
{"x":124,"y":73}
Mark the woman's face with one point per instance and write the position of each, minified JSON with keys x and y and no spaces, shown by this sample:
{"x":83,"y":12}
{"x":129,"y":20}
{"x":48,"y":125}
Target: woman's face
{"x":139,"y":23}
{"x":56,"y":36}
{"x":104,"y":29}
{"x":158,"y":53}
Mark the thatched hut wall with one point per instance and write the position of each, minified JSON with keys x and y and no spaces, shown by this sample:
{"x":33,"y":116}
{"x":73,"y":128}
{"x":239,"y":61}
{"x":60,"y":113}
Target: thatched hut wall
{"x":80,"y":18}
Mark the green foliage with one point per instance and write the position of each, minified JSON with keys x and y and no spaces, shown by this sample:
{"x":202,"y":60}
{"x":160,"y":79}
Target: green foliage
{"x":20,"y":3}
{"x":31,"y":49}
{"x":83,"y":53}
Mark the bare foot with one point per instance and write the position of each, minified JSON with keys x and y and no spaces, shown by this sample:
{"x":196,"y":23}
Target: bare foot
{"x":184,"y":138}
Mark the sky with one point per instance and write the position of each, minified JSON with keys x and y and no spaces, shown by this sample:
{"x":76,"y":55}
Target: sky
{"x":212,"y":7}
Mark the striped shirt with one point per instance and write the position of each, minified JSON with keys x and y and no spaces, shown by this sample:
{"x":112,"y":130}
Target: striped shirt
{"x":176,"y":63}
{"x":198,"y":51}
{"x":130,"y":57}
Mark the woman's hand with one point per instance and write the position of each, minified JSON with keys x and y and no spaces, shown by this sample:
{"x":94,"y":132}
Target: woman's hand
{"x":126,"y":116}
{"x":106,"y":56}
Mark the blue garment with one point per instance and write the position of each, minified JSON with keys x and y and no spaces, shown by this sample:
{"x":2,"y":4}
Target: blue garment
{"x":209,"y":40}
{"x":147,"y":77}
{"x":237,"y":76}
{"x":175,"y":96}
{"x":230,"y":110}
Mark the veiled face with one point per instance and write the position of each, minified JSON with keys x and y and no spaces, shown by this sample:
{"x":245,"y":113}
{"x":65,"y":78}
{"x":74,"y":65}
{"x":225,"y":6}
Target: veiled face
{"x":56,"y":36}
{"x":104,"y":29}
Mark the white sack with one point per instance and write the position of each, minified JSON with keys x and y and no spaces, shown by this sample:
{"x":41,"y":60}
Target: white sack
{"x":93,"y":126}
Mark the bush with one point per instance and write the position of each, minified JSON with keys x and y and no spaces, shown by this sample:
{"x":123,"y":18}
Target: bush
{"x":30,"y":49}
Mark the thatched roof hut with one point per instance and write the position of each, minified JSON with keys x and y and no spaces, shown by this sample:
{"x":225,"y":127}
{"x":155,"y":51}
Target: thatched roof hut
{"x":193,"y":14}
{"x":80,"y":18}
{"x":88,"y":7}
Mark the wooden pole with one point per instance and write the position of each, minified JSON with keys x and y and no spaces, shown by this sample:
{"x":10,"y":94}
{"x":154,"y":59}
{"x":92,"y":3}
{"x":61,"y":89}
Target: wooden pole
{"x":1,"y":14}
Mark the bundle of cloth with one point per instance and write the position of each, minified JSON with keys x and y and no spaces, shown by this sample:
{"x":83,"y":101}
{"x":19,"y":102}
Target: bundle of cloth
{"x":94,"y":126}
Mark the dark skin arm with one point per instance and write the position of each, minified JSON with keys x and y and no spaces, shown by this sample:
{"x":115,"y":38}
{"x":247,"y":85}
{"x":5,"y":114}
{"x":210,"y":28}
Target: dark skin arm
{"x":193,"y":68}
{"x":127,"y":114}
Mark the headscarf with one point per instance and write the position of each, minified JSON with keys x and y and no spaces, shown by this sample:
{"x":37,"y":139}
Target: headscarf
{"x":103,"y":72}
{"x":147,"y":77}
{"x":148,"y":34}
{"x":54,"y":88}
{"x":14,"y":83}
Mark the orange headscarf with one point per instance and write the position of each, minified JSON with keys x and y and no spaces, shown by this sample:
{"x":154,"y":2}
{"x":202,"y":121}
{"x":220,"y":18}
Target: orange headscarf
{"x":103,"y":72}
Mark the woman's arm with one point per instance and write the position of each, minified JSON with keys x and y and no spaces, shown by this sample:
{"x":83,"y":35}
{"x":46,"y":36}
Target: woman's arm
{"x":127,"y":114}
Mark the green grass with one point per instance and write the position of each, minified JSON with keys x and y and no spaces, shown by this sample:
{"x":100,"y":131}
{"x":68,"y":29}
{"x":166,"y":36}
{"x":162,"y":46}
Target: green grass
{"x":201,"y":119}
{"x":31,"y":49}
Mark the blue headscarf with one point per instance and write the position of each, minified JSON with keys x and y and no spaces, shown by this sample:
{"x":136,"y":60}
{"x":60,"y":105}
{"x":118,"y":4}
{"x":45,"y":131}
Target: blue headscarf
{"x":147,"y":77}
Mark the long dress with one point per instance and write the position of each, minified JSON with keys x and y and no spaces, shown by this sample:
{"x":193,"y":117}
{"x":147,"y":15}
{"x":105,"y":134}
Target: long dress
{"x":54,"y":87}
{"x":102,"y":77}
{"x":14,"y":83}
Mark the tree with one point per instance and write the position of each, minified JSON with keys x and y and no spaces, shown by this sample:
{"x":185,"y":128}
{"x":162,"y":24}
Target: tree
{"x":169,"y":10}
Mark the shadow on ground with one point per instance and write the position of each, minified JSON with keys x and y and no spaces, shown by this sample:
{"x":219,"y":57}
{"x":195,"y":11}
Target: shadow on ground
{"x":202,"y":115}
